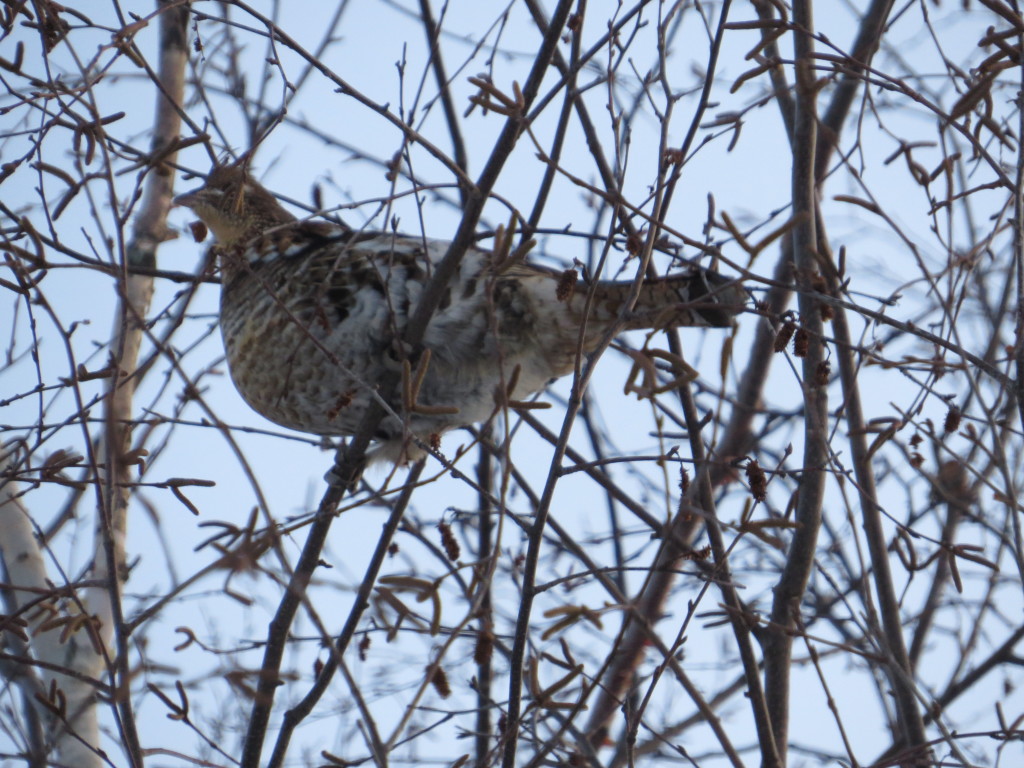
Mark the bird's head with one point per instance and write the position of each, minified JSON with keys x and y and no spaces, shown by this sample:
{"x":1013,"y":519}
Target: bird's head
{"x":233,"y":206}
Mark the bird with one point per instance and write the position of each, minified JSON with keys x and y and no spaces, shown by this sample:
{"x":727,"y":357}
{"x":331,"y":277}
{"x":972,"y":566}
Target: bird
{"x":313,"y":316}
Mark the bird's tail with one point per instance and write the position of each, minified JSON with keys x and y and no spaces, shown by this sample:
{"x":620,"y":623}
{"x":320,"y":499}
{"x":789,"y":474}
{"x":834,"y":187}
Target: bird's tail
{"x":698,"y":298}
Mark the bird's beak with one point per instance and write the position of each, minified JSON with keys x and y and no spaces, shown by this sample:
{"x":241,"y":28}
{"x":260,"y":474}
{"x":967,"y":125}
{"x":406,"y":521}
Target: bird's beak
{"x":186,"y":198}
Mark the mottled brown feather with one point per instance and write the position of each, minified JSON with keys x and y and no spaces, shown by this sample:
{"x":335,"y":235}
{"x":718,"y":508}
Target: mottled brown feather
{"x":312,"y":315}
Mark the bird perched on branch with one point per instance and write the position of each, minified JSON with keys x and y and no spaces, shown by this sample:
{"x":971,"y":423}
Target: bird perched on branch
{"x":314,"y":314}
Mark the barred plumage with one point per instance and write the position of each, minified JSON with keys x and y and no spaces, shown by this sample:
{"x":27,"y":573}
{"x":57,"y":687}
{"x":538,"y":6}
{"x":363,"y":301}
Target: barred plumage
{"x":312,"y":315}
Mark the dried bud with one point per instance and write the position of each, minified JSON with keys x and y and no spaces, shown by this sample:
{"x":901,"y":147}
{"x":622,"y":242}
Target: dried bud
{"x":757,"y":480}
{"x":821,"y":374}
{"x":952,"y":422}
{"x":566,"y":285}
{"x":484,"y":645}
{"x":439,"y":680}
{"x":364,"y":646}
{"x":697,"y":554}
{"x":394,"y":166}
{"x":801,"y":342}
{"x":198,"y":230}
{"x":784,"y":335}
{"x":449,"y":542}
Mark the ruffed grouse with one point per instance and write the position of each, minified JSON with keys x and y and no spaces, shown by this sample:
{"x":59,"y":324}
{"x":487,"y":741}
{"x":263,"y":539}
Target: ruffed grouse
{"x":312,"y":315}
